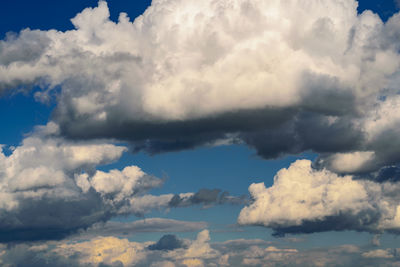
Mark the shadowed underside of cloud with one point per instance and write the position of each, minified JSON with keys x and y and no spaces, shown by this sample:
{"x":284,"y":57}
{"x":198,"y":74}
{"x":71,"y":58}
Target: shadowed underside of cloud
{"x":281,"y":76}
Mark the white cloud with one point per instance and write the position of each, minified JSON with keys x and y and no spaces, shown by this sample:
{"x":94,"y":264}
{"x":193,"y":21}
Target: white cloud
{"x":303,"y":199}
{"x":41,"y":167}
{"x":198,"y":251}
{"x":111,"y":250}
{"x":350,"y":162}
{"x":51,"y":183}
{"x":123,"y":184}
{"x":378,"y":253}
{"x":182,"y":67}
{"x":106,"y":250}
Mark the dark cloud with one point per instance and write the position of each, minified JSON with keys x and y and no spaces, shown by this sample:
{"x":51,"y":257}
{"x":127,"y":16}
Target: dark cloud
{"x":207,"y":197}
{"x":388,"y":174}
{"x":167,"y":242}
{"x":157,"y":137}
{"x":50,"y":218}
{"x":26,"y":255}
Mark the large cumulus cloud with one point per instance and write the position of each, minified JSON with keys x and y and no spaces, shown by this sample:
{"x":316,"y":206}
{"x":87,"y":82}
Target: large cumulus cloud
{"x":50,"y":188}
{"x":306,"y":200}
{"x":282,"y":76}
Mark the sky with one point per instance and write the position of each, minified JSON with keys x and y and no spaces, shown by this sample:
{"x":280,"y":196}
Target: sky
{"x":199,"y":133}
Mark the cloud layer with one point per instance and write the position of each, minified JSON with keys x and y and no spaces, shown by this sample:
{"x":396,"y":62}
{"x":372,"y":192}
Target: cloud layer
{"x":111,"y":251}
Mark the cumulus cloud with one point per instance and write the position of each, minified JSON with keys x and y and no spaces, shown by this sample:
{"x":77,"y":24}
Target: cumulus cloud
{"x":306,"y":200}
{"x":113,"y":251}
{"x":281,"y":76}
{"x":39,"y":198}
{"x":105,"y":250}
{"x":51,"y":188}
{"x":198,"y":251}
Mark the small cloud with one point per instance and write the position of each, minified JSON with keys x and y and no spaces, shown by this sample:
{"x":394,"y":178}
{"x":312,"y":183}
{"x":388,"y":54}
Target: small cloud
{"x":167,"y":242}
{"x":379,"y":253}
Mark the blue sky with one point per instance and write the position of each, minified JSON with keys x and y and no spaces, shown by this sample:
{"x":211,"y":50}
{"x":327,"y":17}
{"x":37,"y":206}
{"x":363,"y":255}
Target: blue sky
{"x":233,"y":108}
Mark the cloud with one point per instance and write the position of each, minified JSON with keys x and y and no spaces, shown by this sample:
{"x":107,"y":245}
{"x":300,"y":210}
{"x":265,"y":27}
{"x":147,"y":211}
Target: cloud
{"x":50,"y":188}
{"x":198,"y":251}
{"x":105,"y":250}
{"x":111,"y":251}
{"x":167,"y":242}
{"x":283,"y":77}
{"x":206,"y":197}
{"x":140,"y":205}
{"x":378,"y":253}
{"x":306,"y":200}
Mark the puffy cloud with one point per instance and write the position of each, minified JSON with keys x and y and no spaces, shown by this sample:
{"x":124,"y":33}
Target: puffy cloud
{"x":282,"y":76}
{"x":198,"y":251}
{"x":306,"y":200}
{"x":123,"y":184}
{"x":50,"y":188}
{"x":106,"y":250}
